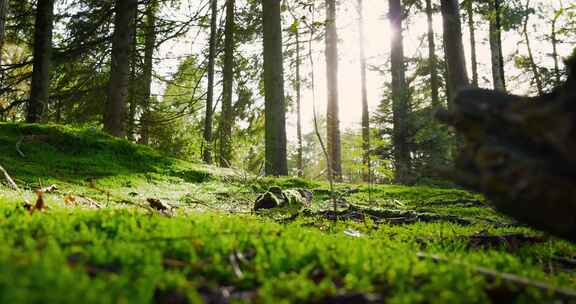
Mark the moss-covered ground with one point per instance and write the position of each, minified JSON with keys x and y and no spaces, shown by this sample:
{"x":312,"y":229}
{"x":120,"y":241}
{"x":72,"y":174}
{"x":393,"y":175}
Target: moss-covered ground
{"x":385,"y":243}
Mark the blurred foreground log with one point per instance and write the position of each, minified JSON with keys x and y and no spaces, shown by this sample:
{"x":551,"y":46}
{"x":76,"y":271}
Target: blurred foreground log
{"x":521,"y":153}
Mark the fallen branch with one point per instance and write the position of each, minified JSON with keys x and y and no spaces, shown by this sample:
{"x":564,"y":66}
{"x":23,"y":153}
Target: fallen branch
{"x":9,"y":180}
{"x":565,"y":294}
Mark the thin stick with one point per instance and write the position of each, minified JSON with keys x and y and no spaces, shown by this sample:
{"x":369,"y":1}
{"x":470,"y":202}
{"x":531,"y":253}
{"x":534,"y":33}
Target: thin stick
{"x":18,"y":145}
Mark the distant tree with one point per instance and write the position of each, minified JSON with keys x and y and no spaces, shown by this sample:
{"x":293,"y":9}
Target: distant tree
{"x":365,"y":113}
{"x":149,"y":46}
{"x":399,"y":95}
{"x":226,"y":117}
{"x":332,"y":114}
{"x":124,"y":29}
{"x":469,"y":4}
{"x":3,"y":15}
{"x":532,"y":61}
{"x":39,"y":91}
{"x":457,"y":77}
{"x":495,"y":16}
{"x":208,"y":121}
{"x":433,"y":59}
{"x":275,"y":117}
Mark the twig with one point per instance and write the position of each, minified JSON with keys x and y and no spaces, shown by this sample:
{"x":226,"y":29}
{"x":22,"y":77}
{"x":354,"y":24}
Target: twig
{"x":18,"y":145}
{"x":562,"y":293}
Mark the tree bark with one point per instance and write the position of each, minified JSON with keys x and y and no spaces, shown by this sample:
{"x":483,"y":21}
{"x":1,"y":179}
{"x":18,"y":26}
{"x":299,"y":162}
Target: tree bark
{"x":555,"y":48}
{"x":226,"y":116}
{"x":299,"y":157}
{"x":366,"y":170}
{"x":498,"y":75}
{"x":472,"y":30}
{"x":3,"y":15}
{"x":332,"y":113}
{"x":39,"y":93}
{"x":399,"y":95}
{"x":133,"y":90}
{"x":434,"y":82}
{"x":208,"y":121}
{"x":124,"y":25}
{"x":275,"y":119}
{"x":457,"y":77}
{"x":533,"y":65}
{"x":149,"y":45}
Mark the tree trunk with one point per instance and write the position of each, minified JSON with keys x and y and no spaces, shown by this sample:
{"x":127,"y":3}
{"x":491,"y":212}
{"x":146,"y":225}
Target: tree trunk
{"x":533,"y":65}
{"x":434,"y":82}
{"x":555,"y":49}
{"x":366,"y":170}
{"x":498,"y":75}
{"x":332,"y":113}
{"x":208,"y":141}
{"x":226,"y":116}
{"x":124,"y":25}
{"x":40,"y":86}
{"x":3,"y":14}
{"x":457,"y":77}
{"x":472,"y":29}
{"x":149,"y":45}
{"x":275,"y":116}
{"x":299,"y":157}
{"x":399,"y":96}
{"x":133,"y":90}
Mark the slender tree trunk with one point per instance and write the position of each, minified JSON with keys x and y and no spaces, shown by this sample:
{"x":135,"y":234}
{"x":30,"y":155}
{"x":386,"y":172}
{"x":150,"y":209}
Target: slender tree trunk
{"x":133,"y":89}
{"x":226,"y":116}
{"x":399,"y":95}
{"x":332,"y":115}
{"x":533,"y":65}
{"x":496,"y":46}
{"x":434,"y":82}
{"x":208,"y":121}
{"x":365,"y":113}
{"x":149,"y":45}
{"x":457,"y":77}
{"x":40,"y":86}
{"x":300,"y":157}
{"x":3,"y":14}
{"x":275,"y":116}
{"x":555,"y":49}
{"x":472,"y":29}
{"x":124,"y":25}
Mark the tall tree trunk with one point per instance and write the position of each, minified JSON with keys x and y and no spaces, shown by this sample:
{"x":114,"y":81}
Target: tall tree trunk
{"x":275,"y":119}
{"x":434,"y":82}
{"x":226,"y":116}
{"x":555,"y":49}
{"x":299,"y":157}
{"x":457,"y":77}
{"x":399,"y":95}
{"x":3,"y":15}
{"x":366,"y":170}
{"x":149,"y":45}
{"x":208,"y":121}
{"x":124,"y":26}
{"x":332,"y":113}
{"x":496,"y":46}
{"x":472,"y":29}
{"x":40,"y":86}
{"x":133,"y":89}
{"x":533,"y":65}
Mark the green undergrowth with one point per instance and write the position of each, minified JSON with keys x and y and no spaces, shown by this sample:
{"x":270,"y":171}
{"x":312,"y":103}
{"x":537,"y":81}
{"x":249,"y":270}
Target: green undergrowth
{"x":391,"y":243}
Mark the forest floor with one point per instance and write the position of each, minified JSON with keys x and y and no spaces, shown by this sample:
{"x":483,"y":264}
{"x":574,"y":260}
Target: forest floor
{"x":100,"y":240}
